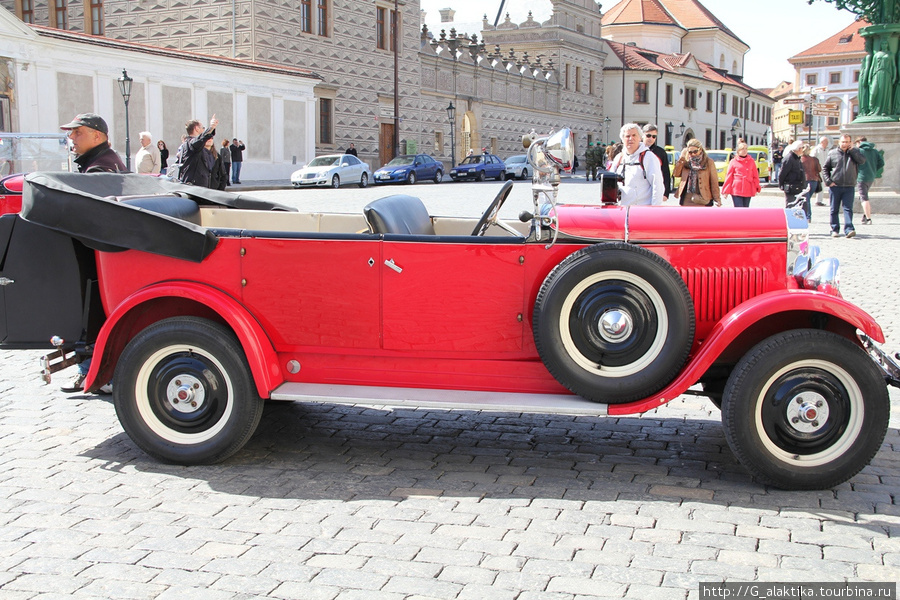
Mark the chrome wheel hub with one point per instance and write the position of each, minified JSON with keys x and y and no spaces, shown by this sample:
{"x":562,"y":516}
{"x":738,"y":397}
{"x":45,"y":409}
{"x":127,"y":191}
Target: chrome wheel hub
{"x":185,"y":394}
{"x":807,"y":412}
{"x":615,"y":325}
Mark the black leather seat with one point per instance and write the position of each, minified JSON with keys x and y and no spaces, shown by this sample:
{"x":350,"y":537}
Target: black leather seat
{"x":173,"y":206}
{"x":398,"y":214}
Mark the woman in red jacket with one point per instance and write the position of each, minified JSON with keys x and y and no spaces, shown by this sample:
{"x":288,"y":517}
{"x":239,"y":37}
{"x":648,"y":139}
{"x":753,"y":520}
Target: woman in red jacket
{"x":742,"y":178}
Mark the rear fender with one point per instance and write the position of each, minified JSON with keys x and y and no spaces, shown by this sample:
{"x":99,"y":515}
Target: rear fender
{"x":755,"y":320}
{"x":179,"y":298}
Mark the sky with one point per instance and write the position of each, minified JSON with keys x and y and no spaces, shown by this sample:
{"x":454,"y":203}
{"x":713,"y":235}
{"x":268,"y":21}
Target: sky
{"x":774,"y":29}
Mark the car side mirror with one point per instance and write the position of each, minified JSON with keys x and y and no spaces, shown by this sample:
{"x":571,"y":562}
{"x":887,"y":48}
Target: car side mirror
{"x":345,"y":164}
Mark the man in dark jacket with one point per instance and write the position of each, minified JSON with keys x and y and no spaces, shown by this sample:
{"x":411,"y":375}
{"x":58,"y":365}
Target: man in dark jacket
{"x":868,"y":173}
{"x":196,"y":161}
{"x":840,"y":172}
{"x":90,"y":142}
{"x":650,"y":138}
{"x":237,"y":159}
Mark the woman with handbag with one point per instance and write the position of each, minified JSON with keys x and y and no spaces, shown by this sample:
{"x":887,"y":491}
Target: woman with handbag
{"x":742,"y":178}
{"x":792,"y":179}
{"x":699,"y":179}
{"x":812,"y":169}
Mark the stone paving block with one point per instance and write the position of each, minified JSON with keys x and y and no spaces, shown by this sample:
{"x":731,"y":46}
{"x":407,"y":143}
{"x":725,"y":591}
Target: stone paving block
{"x":423,"y":587}
{"x":292,"y":590}
{"x":576,"y":585}
{"x":468,"y":575}
{"x":179,"y":577}
{"x":445,"y":556}
{"x":651,"y":592}
{"x":521,"y":581}
{"x":729,"y":572}
{"x":180,"y":592}
{"x":44,"y":583}
{"x":113,"y":589}
{"x":601,"y":558}
{"x":556,"y":568}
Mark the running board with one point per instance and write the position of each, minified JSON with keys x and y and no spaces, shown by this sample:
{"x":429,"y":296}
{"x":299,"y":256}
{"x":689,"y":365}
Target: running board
{"x":429,"y":398}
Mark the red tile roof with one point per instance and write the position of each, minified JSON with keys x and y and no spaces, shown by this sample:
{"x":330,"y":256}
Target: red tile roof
{"x":846,"y":41}
{"x":689,"y":14}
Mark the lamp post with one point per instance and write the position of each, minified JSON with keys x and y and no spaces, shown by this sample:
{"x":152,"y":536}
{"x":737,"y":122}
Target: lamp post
{"x":606,"y":122}
{"x":682,"y":131}
{"x":125,"y":87}
{"x":451,"y":115}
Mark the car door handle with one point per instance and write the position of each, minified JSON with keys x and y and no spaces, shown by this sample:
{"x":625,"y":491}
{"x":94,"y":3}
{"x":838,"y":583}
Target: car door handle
{"x":390,"y":264}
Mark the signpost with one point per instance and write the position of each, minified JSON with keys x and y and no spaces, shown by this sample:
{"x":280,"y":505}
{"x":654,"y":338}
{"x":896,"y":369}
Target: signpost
{"x":794,"y":101}
{"x":795,"y":117}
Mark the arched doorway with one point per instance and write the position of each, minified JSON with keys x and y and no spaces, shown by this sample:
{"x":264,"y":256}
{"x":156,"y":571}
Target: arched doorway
{"x":468,"y":133}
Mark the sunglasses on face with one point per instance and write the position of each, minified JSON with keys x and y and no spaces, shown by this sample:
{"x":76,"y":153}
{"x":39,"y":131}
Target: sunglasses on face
{"x":651,"y":135}
{"x":693,"y":151}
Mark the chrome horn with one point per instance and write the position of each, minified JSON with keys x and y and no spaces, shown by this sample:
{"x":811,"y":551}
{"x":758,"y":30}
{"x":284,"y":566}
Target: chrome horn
{"x":553,"y":153}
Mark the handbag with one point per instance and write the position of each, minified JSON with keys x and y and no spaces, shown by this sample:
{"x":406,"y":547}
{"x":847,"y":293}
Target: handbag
{"x":697,"y":199}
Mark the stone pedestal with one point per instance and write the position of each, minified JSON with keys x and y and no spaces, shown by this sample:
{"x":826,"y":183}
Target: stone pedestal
{"x":885,"y":192}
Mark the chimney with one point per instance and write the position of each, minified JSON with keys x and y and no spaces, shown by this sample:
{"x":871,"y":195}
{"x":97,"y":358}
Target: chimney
{"x":447,"y":15}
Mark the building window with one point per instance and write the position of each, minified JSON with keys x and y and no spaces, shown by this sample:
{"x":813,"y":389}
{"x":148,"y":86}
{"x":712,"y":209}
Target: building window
{"x":708,"y":138}
{"x":591,"y":82}
{"x":27,"y":12}
{"x":577,"y":79}
{"x":438,"y":142}
{"x":722,"y":143}
{"x":640,"y":92}
{"x":812,"y":79}
{"x":381,"y":33}
{"x":566,"y":77}
{"x":668,"y":94}
{"x":856,"y":76}
{"x":723,"y":103}
{"x":322,"y":18}
{"x":59,"y":17}
{"x":325,"y":121}
{"x":96,"y":14}
{"x":734,"y":106}
{"x":690,"y":98}
{"x":306,"y":16}
{"x":834,"y":77}
{"x":709,"y":103}
{"x":833,"y":121}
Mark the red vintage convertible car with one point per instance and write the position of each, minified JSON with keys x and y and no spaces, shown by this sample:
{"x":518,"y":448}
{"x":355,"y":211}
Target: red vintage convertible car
{"x":199,"y":304}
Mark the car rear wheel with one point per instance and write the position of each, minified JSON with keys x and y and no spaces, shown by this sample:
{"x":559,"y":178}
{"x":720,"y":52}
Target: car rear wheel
{"x":805,"y":409}
{"x":524,"y":174}
{"x":364,"y":180}
{"x":183,"y":392}
{"x":335,"y":182}
{"x":411,"y":178}
{"x":439,"y":176}
{"x":480,"y":176}
{"x":613,"y":323}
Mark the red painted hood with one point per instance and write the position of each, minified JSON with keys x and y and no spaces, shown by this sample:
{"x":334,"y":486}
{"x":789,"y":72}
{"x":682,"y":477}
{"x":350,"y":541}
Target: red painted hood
{"x":670,"y":223}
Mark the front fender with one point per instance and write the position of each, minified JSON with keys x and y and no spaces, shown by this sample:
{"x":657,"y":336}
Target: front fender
{"x":741,"y":319}
{"x":132,"y":315}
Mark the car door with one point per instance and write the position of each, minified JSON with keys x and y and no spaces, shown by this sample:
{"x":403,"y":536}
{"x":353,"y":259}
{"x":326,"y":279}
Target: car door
{"x":460,"y":296}
{"x":353,"y":171}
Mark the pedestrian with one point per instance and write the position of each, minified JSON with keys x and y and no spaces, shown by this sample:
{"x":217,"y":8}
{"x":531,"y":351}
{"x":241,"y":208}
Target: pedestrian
{"x":821,"y":155}
{"x":812,"y":169}
{"x":612,"y":151}
{"x":225,"y":153}
{"x":840,"y":173}
{"x":777,"y":158}
{"x":868,"y":173}
{"x":146,"y":159}
{"x":791,"y":178}
{"x":575,"y":164}
{"x":640,"y":169}
{"x":742,"y":178}
{"x":471,"y":152}
{"x":351,"y":150}
{"x":590,"y":162}
{"x":651,"y":135}
{"x":699,"y":178}
{"x":197,"y":162}
{"x":90,"y":142}
{"x":163,"y":157}
{"x":237,"y":158}
{"x":218,"y":176}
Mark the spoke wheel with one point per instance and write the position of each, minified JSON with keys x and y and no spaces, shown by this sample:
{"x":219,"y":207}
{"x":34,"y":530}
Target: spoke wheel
{"x":183,"y":392}
{"x":806,"y":409}
{"x":613,"y":323}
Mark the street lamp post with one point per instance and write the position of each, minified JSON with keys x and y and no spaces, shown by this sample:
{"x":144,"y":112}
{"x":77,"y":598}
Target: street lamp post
{"x":606,"y":122}
{"x":125,"y":87}
{"x":451,"y":115}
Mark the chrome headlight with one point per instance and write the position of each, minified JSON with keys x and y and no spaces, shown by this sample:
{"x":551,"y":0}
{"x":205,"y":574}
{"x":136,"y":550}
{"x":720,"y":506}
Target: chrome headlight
{"x":825,"y":276}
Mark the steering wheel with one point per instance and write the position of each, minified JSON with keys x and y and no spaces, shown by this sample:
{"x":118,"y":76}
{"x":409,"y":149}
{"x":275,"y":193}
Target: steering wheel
{"x":493,"y":210}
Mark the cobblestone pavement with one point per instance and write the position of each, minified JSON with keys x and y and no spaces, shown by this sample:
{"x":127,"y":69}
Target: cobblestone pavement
{"x":345,"y":502}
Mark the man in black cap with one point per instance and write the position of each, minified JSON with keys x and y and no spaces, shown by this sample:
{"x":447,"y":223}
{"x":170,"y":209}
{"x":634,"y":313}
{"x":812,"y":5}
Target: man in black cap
{"x":90,"y":141}
{"x":89,"y":135}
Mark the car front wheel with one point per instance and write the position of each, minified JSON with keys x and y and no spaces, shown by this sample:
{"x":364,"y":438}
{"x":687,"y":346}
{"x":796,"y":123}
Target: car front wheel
{"x":183,"y":392}
{"x":364,"y":180}
{"x":480,"y":176}
{"x":411,"y":179}
{"x":335,"y":182}
{"x":524,"y":174}
{"x":613,"y":323}
{"x":439,"y":176}
{"x":805,"y":410}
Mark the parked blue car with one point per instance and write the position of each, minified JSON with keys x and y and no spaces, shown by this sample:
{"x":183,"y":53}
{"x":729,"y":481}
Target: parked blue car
{"x":410,"y":168}
{"x":479,"y":167}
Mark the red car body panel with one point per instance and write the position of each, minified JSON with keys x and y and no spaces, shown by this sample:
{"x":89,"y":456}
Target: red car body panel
{"x":11,"y":193}
{"x":457,"y":314}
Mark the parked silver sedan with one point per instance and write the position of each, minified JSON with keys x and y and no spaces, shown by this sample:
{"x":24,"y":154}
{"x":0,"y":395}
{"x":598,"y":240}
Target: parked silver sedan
{"x":332,"y":170}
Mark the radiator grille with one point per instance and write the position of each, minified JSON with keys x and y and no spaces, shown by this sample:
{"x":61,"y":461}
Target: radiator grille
{"x":716,"y":291}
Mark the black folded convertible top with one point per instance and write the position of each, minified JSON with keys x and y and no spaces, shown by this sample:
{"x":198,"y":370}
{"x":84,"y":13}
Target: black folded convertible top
{"x":85,"y":207}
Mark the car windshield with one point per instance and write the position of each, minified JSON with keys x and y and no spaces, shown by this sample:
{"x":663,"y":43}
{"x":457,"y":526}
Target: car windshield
{"x":400,"y":161}
{"x":515,"y":159}
{"x":324,"y":161}
{"x":717,"y":156}
{"x":471,"y":160}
